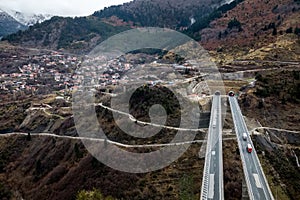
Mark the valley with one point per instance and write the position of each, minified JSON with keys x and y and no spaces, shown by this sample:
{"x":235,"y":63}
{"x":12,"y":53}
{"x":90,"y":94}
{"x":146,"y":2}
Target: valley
{"x":51,"y":88}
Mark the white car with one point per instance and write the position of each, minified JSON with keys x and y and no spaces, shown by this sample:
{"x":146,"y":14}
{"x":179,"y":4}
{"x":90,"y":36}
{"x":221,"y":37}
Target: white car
{"x":244,"y":136}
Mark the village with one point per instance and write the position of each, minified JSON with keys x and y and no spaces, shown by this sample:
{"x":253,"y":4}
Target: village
{"x":53,"y":71}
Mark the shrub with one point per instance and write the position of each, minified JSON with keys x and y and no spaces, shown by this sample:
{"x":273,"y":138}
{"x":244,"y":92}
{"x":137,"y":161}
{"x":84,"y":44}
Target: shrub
{"x":4,"y":192}
{"x":297,"y":31}
{"x":234,"y":23}
{"x":186,"y":188}
{"x":274,"y":31}
{"x":263,"y":92}
{"x":91,"y":195}
{"x":289,"y":30}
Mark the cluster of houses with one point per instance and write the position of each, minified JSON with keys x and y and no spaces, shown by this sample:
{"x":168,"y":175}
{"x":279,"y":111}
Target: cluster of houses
{"x":45,"y":73}
{"x":59,"y":72}
{"x":98,"y":74}
{"x":53,"y":70}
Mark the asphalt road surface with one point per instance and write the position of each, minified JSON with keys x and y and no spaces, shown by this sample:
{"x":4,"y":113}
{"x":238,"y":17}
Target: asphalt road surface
{"x":212,"y":184}
{"x":257,"y":184}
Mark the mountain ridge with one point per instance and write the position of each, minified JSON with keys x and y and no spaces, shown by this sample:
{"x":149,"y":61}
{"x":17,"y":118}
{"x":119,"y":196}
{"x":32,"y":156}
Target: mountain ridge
{"x":27,"y":19}
{"x":12,"y":21}
{"x":170,"y":13}
{"x":8,"y":24}
{"x":91,"y":30}
{"x":233,"y":25}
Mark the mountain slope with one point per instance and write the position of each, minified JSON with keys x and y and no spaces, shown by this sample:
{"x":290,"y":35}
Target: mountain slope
{"x":252,"y":24}
{"x":8,"y":24}
{"x":28,"y":19}
{"x":12,"y":21}
{"x":239,"y":25}
{"x":85,"y":32}
{"x":173,"y":14}
{"x":77,"y":34}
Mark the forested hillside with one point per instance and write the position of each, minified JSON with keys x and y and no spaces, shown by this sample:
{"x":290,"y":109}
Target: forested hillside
{"x":83,"y":33}
{"x":78,"y":34}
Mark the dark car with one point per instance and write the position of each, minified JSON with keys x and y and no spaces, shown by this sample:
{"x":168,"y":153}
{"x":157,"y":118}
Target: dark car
{"x":231,"y":93}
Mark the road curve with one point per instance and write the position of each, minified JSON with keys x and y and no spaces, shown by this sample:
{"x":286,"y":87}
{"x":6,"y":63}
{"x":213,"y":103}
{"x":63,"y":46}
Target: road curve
{"x":148,"y":123}
{"x":103,"y":140}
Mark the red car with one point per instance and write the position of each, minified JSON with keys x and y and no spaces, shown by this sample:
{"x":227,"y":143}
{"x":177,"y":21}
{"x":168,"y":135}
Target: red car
{"x":249,"y":148}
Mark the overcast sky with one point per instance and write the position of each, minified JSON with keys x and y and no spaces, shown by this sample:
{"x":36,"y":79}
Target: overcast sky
{"x":59,"y":7}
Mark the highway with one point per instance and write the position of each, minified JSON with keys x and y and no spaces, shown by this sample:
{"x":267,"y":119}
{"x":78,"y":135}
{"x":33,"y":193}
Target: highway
{"x":212,"y":181}
{"x":257,"y":184}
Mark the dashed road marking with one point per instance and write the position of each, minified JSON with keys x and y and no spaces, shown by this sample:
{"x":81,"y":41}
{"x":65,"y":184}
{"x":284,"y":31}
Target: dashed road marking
{"x":257,"y":181}
{"x":211,"y":186}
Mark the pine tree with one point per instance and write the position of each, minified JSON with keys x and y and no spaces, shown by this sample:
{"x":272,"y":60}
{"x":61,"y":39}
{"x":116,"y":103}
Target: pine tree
{"x":274,"y":31}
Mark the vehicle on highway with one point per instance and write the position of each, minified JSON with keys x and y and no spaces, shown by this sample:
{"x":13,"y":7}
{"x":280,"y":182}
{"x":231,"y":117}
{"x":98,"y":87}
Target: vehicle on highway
{"x":214,"y":123}
{"x":244,"y":136}
{"x":249,"y":148}
{"x":231,"y":93}
{"x":217,"y":93}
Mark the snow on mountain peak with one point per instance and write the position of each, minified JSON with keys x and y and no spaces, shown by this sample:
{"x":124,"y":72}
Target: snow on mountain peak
{"x":27,"y":19}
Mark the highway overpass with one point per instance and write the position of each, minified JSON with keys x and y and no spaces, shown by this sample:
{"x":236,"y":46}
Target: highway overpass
{"x":212,"y":181}
{"x":256,"y":181}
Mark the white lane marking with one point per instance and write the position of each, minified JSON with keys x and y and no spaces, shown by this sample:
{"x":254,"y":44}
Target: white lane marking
{"x":211,"y":186}
{"x":257,"y":181}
